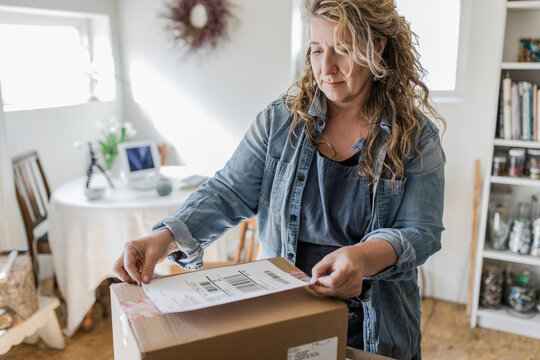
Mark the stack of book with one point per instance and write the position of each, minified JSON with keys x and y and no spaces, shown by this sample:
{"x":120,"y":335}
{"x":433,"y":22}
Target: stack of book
{"x":518,"y":111}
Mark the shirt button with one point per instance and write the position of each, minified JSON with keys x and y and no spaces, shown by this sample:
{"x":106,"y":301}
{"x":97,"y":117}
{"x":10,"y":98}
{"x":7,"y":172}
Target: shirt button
{"x":300,"y":178}
{"x":290,"y":255}
{"x":293,"y":217}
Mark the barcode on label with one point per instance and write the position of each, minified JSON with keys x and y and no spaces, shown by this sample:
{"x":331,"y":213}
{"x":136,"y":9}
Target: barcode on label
{"x":242,"y":283}
{"x":208,"y":286}
{"x":276,"y":277}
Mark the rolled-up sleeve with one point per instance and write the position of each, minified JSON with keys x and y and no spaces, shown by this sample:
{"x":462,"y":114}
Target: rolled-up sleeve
{"x":415,"y":233}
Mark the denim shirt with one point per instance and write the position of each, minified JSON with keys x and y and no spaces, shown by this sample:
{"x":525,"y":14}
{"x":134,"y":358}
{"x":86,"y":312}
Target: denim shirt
{"x":266,"y":177}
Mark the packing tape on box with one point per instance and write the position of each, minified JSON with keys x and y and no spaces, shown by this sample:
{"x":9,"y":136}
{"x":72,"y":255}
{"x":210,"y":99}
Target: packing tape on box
{"x":137,"y":309}
{"x":300,"y":275}
{"x":125,"y":328}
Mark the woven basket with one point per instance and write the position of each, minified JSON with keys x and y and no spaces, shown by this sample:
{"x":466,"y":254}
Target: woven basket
{"x":18,"y":292}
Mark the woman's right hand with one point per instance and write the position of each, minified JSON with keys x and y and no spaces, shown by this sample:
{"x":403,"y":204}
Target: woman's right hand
{"x":137,"y":262}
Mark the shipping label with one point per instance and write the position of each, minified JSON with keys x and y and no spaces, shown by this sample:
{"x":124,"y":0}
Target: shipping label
{"x":197,"y":290}
{"x":318,"y":350}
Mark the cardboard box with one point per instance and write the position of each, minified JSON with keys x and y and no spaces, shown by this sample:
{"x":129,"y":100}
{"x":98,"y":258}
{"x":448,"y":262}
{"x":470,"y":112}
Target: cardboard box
{"x":293,"y":324}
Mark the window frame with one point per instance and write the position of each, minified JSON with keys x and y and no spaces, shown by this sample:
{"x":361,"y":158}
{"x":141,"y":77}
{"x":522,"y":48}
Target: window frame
{"x":17,"y":16}
{"x":457,"y":95}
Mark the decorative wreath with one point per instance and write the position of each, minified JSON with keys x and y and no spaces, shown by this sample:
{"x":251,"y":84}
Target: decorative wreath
{"x":200,"y":24}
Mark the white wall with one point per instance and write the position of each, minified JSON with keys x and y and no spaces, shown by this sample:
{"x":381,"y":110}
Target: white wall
{"x":203,"y":105}
{"x":53,"y":131}
{"x":468,"y":137}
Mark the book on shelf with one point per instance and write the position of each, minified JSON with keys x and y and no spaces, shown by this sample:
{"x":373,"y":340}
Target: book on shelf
{"x":534,"y":99}
{"x":519,"y":109}
{"x":499,"y":133}
{"x":507,"y":107}
{"x":525,"y":110}
{"x":516,"y":125}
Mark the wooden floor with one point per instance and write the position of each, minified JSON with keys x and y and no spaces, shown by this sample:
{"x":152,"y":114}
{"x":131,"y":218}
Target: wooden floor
{"x":448,"y":336}
{"x":445,"y":326}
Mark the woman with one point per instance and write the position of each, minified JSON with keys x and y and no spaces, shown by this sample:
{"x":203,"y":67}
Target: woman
{"x":345,"y":175}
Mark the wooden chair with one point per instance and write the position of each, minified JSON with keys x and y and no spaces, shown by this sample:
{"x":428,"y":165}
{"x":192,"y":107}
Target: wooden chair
{"x":162,"y":149}
{"x":250,"y":254}
{"x":33,"y":194}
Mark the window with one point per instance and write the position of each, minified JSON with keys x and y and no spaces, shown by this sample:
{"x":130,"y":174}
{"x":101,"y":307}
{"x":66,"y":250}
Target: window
{"x":50,"y":60}
{"x":439,"y":25}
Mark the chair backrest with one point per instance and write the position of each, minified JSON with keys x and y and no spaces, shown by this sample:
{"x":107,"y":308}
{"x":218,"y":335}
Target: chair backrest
{"x":251,"y":253}
{"x":33,"y":194}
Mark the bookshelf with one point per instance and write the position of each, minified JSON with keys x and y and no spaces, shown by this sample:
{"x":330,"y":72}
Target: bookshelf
{"x":521,"y":20}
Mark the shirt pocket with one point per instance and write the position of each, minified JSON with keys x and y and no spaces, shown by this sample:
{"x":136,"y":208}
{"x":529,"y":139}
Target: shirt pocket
{"x":273,"y":183}
{"x":389,"y":200}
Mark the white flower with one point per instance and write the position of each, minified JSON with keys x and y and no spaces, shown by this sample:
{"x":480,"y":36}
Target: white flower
{"x":130,"y":130}
{"x":114,"y":125}
{"x":115,"y":129}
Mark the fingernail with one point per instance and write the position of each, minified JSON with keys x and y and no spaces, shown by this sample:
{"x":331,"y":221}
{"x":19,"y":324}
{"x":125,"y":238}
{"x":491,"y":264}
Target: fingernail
{"x":146,"y":278}
{"x":312,"y":281}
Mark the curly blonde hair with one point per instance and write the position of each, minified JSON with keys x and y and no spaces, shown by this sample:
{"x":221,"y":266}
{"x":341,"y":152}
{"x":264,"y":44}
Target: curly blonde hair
{"x":398,"y":89}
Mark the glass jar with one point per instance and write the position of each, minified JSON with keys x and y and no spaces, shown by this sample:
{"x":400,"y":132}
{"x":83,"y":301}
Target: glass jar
{"x":522,"y":299}
{"x":520,"y":237}
{"x":524,"y":211}
{"x":500,"y":167}
{"x":535,"y":246}
{"x":533,"y":163}
{"x":534,"y":173}
{"x":499,"y":228}
{"x":516,"y":157}
{"x":491,"y":290}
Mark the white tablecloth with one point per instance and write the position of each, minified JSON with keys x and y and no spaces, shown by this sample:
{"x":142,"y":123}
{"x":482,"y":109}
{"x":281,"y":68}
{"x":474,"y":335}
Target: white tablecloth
{"x":87,"y":237}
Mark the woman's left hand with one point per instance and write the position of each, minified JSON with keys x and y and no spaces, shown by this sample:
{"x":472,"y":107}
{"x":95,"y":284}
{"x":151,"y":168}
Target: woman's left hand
{"x":340,"y":273}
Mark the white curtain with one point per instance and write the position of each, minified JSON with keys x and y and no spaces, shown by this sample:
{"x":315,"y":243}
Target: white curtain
{"x":10,"y":223}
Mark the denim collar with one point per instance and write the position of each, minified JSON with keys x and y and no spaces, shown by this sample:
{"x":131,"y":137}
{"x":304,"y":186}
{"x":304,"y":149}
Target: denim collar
{"x":319,"y":107}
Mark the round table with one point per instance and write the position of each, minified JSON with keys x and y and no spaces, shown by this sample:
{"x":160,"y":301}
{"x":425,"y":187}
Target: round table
{"x":87,"y":236}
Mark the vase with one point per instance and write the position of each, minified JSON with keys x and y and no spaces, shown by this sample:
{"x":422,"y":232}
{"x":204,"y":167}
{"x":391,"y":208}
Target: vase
{"x":108,"y":159}
{"x":112,"y":167}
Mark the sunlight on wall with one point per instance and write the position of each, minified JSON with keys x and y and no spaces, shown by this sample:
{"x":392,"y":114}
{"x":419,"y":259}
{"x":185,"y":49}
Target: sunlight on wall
{"x":198,"y":135}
